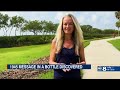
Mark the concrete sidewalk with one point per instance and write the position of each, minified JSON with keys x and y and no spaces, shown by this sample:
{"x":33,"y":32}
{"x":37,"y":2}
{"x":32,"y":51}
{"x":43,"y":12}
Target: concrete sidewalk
{"x":100,"y":53}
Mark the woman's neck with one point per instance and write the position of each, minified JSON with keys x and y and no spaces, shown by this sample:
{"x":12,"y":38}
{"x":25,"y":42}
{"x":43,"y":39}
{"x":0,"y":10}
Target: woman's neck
{"x":68,"y":37}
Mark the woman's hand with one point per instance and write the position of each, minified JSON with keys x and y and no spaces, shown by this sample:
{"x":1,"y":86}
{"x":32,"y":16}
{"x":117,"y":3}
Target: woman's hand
{"x":65,"y":70}
{"x":83,"y":62}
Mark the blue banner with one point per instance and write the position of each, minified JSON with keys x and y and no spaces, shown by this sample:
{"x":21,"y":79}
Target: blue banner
{"x":48,"y":66}
{"x":108,"y":68}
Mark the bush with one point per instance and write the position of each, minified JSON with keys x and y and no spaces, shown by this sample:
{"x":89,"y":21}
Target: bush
{"x":12,"y":41}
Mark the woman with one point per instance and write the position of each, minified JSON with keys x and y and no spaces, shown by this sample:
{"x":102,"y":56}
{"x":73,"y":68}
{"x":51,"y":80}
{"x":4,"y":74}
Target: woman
{"x":67,"y":48}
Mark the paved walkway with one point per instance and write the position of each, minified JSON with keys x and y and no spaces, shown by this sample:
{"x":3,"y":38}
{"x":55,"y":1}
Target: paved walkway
{"x":100,"y":53}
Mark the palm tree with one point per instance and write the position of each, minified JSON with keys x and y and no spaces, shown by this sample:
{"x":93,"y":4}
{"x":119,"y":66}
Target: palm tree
{"x":118,"y":25}
{"x":117,"y":14}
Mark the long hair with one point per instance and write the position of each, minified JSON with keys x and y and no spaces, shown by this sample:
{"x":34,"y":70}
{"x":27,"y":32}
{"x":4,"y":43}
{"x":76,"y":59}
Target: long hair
{"x":77,"y":35}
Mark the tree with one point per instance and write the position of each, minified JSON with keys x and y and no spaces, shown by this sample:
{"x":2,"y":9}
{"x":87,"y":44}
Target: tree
{"x":50,"y":27}
{"x":117,"y":14}
{"x":32,"y":26}
{"x":21,"y":22}
{"x":14,"y":23}
{"x":4,"y":23}
{"x":17,"y":22}
{"x":86,"y":28}
{"x":1,"y":22}
{"x":118,"y":25}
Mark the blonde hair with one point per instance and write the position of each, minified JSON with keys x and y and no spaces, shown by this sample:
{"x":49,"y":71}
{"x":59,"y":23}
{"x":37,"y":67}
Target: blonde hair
{"x":77,"y":37}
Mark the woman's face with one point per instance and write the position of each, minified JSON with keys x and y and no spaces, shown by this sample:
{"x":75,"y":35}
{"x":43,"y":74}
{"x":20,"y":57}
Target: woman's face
{"x":68,"y":25}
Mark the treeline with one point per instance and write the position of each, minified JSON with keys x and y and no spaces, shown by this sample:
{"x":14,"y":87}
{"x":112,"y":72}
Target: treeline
{"x":18,"y":23}
{"x":43,"y":31}
{"x":91,"y":32}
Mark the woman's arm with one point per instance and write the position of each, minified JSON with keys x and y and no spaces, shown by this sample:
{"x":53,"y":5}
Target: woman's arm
{"x":52,"y":52}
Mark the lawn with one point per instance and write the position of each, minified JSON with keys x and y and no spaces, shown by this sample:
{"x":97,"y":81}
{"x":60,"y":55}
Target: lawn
{"x":115,"y":43}
{"x":22,"y":55}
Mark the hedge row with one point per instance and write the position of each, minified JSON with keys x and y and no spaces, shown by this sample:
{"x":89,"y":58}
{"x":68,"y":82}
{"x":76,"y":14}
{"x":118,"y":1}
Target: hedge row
{"x":92,"y":36}
{"x":14,"y":41}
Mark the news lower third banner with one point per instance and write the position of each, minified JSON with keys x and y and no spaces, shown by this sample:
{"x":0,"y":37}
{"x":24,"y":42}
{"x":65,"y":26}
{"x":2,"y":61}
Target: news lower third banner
{"x":108,"y":68}
{"x":48,"y":66}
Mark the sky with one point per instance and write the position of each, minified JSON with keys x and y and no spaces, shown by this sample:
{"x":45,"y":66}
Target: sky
{"x":97,"y":19}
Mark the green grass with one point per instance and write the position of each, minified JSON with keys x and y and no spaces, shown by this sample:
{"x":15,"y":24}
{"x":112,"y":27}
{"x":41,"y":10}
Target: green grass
{"x":48,"y":75}
{"x":115,"y":43}
{"x":86,"y":43}
{"x":22,"y":55}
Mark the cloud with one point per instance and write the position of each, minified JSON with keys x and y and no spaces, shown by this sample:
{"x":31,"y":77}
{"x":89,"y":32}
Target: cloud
{"x":93,"y":18}
{"x":10,"y":13}
{"x":102,"y":20}
{"x":59,"y":15}
{"x":81,"y":19}
{"x":28,"y":15}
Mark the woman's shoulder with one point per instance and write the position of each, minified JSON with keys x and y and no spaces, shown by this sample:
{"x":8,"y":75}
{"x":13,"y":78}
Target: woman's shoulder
{"x":54,"y":42}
